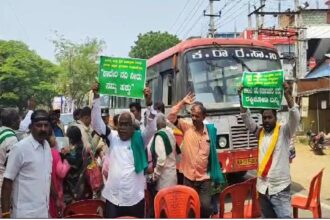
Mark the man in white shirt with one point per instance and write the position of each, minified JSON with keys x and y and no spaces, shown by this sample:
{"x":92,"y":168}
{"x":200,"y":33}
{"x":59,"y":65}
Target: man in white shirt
{"x":164,"y":157}
{"x":124,"y":188}
{"x":26,"y":186}
{"x":163,"y":150}
{"x":10,"y":121}
{"x":273,"y":183}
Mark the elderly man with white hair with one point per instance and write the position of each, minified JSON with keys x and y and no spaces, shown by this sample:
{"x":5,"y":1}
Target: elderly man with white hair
{"x":162,"y":148}
{"x":124,"y":187}
{"x":163,"y":152}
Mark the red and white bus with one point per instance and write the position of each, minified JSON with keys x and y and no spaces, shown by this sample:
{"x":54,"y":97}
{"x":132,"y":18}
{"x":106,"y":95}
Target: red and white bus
{"x":212,"y":68}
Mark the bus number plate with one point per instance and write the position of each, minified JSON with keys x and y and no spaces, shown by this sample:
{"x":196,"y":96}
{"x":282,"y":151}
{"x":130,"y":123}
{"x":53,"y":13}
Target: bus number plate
{"x":246,"y":161}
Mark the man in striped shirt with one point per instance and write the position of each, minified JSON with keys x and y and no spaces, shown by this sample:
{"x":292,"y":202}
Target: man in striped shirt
{"x":10,"y":122}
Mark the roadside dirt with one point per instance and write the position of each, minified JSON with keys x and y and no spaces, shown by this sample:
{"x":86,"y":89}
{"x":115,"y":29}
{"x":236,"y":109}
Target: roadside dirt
{"x":306,"y":165}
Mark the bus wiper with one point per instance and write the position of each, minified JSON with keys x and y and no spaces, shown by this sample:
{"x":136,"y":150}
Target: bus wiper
{"x":213,"y":64}
{"x":242,"y":62}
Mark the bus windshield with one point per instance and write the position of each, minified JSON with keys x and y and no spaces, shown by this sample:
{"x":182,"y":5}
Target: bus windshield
{"x":215,"y":74}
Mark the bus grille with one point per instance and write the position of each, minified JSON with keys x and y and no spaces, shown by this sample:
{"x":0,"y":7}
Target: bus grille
{"x":240,"y":136}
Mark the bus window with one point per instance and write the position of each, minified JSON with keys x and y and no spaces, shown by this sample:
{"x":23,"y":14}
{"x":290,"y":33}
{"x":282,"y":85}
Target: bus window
{"x":121,"y":102}
{"x":104,"y":100}
{"x":167,"y":79}
{"x":113,"y":103}
{"x":156,"y":88}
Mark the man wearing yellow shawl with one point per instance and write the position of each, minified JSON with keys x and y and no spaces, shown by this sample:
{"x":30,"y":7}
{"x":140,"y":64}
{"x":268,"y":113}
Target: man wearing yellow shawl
{"x":273,"y":183}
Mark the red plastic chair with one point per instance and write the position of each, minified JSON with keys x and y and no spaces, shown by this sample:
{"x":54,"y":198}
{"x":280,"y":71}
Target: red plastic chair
{"x":239,"y":193}
{"x":177,"y":202}
{"x":83,"y":216}
{"x":252,"y":209}
{"x":89,"y":206}
{"x":312,"y":202}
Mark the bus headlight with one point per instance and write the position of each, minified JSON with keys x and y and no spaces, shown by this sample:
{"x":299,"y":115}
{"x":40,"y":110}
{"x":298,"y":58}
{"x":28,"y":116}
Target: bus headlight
{"x":222,"y":142}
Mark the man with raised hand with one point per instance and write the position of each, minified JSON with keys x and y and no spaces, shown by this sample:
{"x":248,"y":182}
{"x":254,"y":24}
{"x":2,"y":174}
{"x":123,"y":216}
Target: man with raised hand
{"x":25,"y":123}
{"x":199,"y":162}
{"x":124,"y":187}
{"x":273,"y":183}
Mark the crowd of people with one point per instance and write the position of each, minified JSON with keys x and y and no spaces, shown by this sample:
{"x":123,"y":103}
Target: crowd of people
{"x":134,"y":153}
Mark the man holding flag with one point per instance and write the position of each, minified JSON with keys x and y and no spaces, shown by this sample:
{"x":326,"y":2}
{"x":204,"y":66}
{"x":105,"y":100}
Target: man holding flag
{"x":273,"y":183}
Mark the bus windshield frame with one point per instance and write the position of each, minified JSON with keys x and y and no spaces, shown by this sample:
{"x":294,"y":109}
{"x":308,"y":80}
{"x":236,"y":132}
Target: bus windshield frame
{"x":214,"y":74}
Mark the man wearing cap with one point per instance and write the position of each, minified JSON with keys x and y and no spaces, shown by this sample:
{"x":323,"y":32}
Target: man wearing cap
{"x":54,"y":122}
{"x":105,"y":115}
{"x":57,"y":113}
{"x":26,"y":186}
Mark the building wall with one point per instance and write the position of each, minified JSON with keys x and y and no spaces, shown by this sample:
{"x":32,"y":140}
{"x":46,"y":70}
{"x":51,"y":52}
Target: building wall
{"x":314,"y":17}
{"x":285,"y":21}
{"x":309,"y":17}
{"x":322,"y":121}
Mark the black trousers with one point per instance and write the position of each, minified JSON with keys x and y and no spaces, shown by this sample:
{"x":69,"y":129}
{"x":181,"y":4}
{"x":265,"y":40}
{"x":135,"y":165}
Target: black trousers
{"x":114,"y":211}
{"x":203,"y":189}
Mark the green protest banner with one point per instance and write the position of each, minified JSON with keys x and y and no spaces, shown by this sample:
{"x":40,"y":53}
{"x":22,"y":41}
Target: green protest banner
{"x":262,"y":89}
{"x":123,"y":77}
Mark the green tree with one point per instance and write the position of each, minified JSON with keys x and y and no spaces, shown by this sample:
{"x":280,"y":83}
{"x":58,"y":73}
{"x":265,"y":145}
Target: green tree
{"x":79,"y":66}
{"x":152,"y":43}
{"x":23,"y":74}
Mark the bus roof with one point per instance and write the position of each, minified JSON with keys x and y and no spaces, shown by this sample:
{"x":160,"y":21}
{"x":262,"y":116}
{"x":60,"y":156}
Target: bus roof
{"x":184,"y":45}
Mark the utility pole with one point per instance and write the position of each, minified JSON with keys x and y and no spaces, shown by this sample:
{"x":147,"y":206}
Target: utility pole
{"x":262,"y":2}
{"x":285,"y":33}
{"x":249,"y":17}
{"x":235,"y":29}
{"x":279,"y":5}
{"x":257,"y":19}
{"x":296,"y":52}
{"x":301,"y":45}
{"x":212,"y":28}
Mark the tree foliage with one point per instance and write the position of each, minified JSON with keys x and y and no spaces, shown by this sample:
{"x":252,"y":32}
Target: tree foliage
{"x":79,"y":66}
{"x":23,"y":74}
{"x":152,"y":43}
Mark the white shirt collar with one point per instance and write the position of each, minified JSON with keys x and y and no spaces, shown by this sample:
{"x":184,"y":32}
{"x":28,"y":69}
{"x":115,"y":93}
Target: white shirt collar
{"x":35,"y":143}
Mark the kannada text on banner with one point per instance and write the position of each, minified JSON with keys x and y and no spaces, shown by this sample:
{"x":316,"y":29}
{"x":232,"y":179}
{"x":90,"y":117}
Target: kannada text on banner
{"x":123,"y":77}
{"x":262,"y":89}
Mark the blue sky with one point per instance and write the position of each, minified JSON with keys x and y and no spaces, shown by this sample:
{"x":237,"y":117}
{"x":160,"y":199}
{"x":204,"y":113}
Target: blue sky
{"x":116,"y":22}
